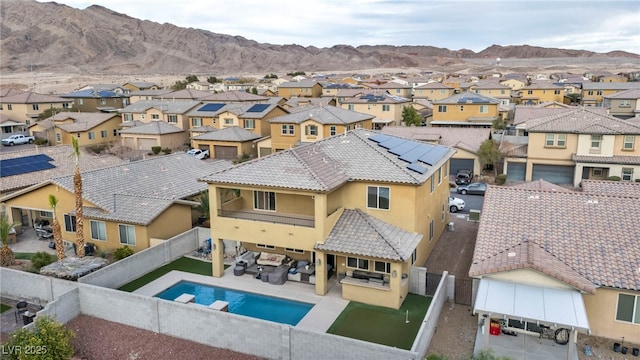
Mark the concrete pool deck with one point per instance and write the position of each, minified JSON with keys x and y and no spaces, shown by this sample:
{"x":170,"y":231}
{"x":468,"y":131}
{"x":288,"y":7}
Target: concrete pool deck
{"x":324,"y":312}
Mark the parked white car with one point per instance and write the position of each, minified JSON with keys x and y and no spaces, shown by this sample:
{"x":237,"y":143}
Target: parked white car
{"x":18,"y":140}
{"x":455,"y":204}
{"x":198,"y":153}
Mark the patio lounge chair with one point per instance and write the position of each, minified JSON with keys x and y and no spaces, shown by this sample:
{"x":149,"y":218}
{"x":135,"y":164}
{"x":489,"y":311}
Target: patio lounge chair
{"x":21,"y":308}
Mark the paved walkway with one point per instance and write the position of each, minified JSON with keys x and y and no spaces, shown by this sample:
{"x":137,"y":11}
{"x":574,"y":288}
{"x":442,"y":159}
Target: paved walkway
{"x":319,"y":318}
{"x":28,"y":242}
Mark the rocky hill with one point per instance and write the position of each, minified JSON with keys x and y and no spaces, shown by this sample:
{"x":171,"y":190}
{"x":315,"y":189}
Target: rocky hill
{"x":58,"y":38}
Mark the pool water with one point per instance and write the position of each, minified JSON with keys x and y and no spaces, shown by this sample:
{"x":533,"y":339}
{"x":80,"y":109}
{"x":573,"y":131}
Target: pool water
{"x":242,"y":303}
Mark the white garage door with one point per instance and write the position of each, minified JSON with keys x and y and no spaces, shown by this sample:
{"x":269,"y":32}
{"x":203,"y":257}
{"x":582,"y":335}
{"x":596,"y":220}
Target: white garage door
{"x":147,"y":143}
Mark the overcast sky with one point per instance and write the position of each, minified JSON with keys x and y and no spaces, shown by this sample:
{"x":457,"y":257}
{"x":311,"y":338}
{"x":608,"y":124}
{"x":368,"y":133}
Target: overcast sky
{"x":599,"y":26}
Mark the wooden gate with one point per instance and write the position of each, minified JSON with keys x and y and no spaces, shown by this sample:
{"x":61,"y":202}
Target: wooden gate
{"x":463,"y":292}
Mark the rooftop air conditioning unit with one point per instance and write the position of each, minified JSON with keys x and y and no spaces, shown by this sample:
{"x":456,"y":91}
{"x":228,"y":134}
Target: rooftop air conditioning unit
{"x":474,"y":215}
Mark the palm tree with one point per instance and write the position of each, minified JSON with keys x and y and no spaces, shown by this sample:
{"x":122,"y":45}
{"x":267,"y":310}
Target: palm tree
{"x":6,"y":255}
{"x":57,"y":232}
{"x":77,"y":191}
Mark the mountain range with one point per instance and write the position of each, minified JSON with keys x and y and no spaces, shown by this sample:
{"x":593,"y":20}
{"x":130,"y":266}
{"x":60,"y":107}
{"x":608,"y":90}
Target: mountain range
{"x":58,"y":38}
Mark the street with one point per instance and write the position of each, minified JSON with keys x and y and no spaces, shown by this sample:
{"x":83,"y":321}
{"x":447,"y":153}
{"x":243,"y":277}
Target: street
{"x":471,"y":201}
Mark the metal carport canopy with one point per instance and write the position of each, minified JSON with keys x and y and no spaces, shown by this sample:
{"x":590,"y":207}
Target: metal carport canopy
{"x":562,"y":307}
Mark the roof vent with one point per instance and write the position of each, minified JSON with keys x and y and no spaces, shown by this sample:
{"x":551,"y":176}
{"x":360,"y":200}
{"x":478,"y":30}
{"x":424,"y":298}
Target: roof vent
{"x":592,"y":201}
{"x":511,"y":254}
{"x":534,"y":197}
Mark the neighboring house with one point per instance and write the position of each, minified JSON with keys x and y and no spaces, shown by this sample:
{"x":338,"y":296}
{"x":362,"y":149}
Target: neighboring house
{"x":140,"y":86}
{"x":524,"y":113}
{"x":171,"y":112}
{"x":295,"y":104}
{"x":24,"y":107}
{"x":184,"y":94}
{"x":332,"y":89}
{"x":57,"y":164}
{"x":313,"y":124}
{"x":229,"y":143}
{"x":200,"y":86}
{"x":466,"y":141}
{"x":96,"y":100}
{"x":236,"y":96}
{"x":466,"y":109}
{"x":305,"y":88}
{"x":579,"y":271}
{"x":593,"y":93}
{"x":516,"y":84}
{"x":432,"y":91}
{"x":397,"y":89}
{"x":87,"y":128}
{"x":569,"y":146}
{"x":135,"y":96}
{"x":145,"y":136}
{"x":496,"y":91}
{"x":138,"y":204}
{"x":623,"y":104}
{"x":8,"y":126}
{"x":250,"y":116}
{"x":348,"y":205}
{"x":386,"y":108}
{"x":542,"y":92}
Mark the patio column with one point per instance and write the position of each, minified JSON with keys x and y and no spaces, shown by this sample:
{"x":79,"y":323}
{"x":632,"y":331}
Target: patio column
{"x":486,"y":331}
{"x":571,"y":346}
{"x":321,"y":273}
{"x":217,"y":257}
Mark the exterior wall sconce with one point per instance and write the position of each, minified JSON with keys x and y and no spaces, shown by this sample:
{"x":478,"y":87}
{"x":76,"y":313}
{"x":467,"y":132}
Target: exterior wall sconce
{"x":318,"y":262}
{"x":394,"y":273}
{"x":213,"y":246}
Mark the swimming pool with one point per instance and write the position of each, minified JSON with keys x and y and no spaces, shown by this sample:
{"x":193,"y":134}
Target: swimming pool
{"x":242,"y":303}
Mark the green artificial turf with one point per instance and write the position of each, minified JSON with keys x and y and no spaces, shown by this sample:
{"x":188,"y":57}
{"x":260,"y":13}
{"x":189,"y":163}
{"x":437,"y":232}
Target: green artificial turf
{"x":4,"y":308}
{"x":181,"y":264}
{"x":382,"y":325}
{"x":27,"y":256}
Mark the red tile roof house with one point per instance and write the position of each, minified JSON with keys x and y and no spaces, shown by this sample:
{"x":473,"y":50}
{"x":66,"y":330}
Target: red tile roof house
{"x":563,"y":259}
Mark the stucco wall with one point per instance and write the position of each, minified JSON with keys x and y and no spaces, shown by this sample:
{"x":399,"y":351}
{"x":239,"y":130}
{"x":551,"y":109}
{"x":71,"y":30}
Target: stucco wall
{"x":601,"y":311}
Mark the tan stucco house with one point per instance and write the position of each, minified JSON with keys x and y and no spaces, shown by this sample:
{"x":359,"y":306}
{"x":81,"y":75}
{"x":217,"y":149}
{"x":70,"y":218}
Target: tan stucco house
{"x":87,"y":128}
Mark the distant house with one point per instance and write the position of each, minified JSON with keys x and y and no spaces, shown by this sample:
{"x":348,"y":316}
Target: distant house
{"x":144,"y":136}
{"x":432,"y":91}
{"x":247,"y":115}
{"x":494,"y":90}
{"x":542,"y":92}
{"x":135,"y":96}
{"x":229,"y":143}
{"x":184,"y":94}
{"x":515,"y":83}
{"x":593,"y":93}
{"x":97,"y":100}
{"x":332,"y":89}
{"x":304,"y":88}
{"x":87,"y":128}
{"x":140,"y":86}
{"x":386,"y":108}
{"x":235,"y":96}
{"x":466,"y":109}
{"x":397,"y":89}
{"x":171,"y":112}
{"x":24,"y":107}
{"x":623,"y":104}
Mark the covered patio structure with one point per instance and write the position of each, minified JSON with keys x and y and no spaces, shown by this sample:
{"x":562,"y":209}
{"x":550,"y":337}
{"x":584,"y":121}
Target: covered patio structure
{"x":512,"y":317}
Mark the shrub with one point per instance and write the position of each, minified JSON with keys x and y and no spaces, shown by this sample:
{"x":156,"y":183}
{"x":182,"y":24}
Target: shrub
{"x":156,"y":149}
{"x":97,"y":149}
{"x":501,"y":179}
{"x":122,"y":252}
{"x":46,"y":340}
{"x":637,"y":180}
{"x":613,"y":178}
{"x":40,"y":259}
{"x":41,"y":141}
{"x":166,"y":151}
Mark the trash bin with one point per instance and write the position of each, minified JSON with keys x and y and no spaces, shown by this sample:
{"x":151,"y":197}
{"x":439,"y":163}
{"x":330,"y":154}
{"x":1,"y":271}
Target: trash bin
{"x":494,"y":327}
{"x":450,"y":226}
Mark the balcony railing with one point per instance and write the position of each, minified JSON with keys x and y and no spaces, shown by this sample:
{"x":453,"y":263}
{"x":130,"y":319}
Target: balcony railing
{"x":267,"y":217}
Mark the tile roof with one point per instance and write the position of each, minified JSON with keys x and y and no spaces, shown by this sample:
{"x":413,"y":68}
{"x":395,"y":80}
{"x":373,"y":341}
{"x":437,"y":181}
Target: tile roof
{"x":615,"y":159}
{"x":468,"y":139}
{"x":299,"y":104}
{"x":524,"y":113}
{"x":239,"y":109}
{"x":150,"y":92}
{"x":141,"y":84}
{"x":627,"y":94}
{"x":94,"y":93}
{"x":392,"y":85}
{"x":9,"y":91}
{"x":514,"y":149}
{"x":613,"y":188}
{"x":64,"y":165}
{"x":589,"y":243}
{"x":540,"y":185}
{"x":610,"y":85}
{"x":326,"y":164}
{"x":186,"y":94}
{"x":82,"y":121}
{"x":232,"y":133}
{"x":434,"y":85}
{"x":467,"y":98}
{"x":375,"y":96}
{"x":582,"y":121}
{"x":165,"y":106}
{"x":29,"y":97}
{"x":542,"y":86}
{"x":137,"y":192}
{"x":299,"y":84}
{"x":360,"y":234}
{"x":152,"y":128}
{"x":326,"y":115}
{"x":234,"y":96}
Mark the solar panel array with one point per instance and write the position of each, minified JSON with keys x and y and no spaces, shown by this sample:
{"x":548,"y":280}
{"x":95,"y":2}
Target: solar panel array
{"x":258,"y":108}
{"x":416,"y":154}
{"x":25,"y":164}
{"x":211,"y":107}
{"x":373,"y":97}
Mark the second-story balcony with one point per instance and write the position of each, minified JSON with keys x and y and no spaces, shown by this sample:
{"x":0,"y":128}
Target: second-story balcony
{"x":275,"y":218}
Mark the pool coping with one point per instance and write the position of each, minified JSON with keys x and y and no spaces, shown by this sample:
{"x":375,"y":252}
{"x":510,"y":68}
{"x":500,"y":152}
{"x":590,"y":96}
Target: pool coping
{"x":325,"y":311}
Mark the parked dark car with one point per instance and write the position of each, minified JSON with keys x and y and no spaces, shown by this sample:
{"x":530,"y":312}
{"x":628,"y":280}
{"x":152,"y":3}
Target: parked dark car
{"x":464,"y":177}
{"x":472,"y":189}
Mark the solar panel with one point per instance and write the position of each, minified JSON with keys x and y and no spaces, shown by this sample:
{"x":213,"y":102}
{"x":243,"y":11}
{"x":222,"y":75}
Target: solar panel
{"x":25,"y":164}
{"x":211,"y":107}
{"x":403,"y":148}
{"x":416,"y":153}
{"x":391,"y":142}
{"x":433,"y":156}
{"x":379,"y":138}
{"x":417,"y":168}
{"x":258,"y":108}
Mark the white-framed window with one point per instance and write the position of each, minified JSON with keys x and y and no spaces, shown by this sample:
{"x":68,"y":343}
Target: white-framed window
{"x":386,"y":107}
{"x":350,"y":107}
{"x":431,"y":229}
{"x":596,"y":141}
{"x":103,"y":133}
{"x":47,"y":214}
{"x":599,"y":92}
{"x":443,"y":91}
{"x":624,"y":103}
{"x":378,"y":197}
{"x":92,"y":135}
{"x":249,"y":124}
{"x":98,"y":230}
{"x":597,"y":172}
{"x":311,"y":130}
{"x":484,"y":109}
{"x":69,"y":223}
{"x":228,"y":122}
{"x":58,"y":137}
{"x":35,"y":107}
{"x":414,"y":256}
{"x":288,"y":129}
{"x":172,"y":119}
{"x":265,"y":246}
{"x":556,"y":140}
{"x":529,"y":92}
{"x":196,"y":122}
{"x":556,"y":92}
{"x":297,"y":251}
{"x":142,"y":116}
{"x":442,"y":108}
{"x":433,"y":184}
{"x":439,"y":176}
{"x":64,"y":106}
{"x":628,"y":308}
{"x":264,"y":200}
{"x":127,"y":234}
{"x":103,"y":101}
{"x":357,"y":263}
{"x":627,"y":174}
{"x":332,"y":130}
{"x":382,"y":267}
{"x":155,"y":116}
{"x":80,"y":101}
{"x":590,"y":92}
{"x":128,"y":117}
{"x":629,"y":141}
